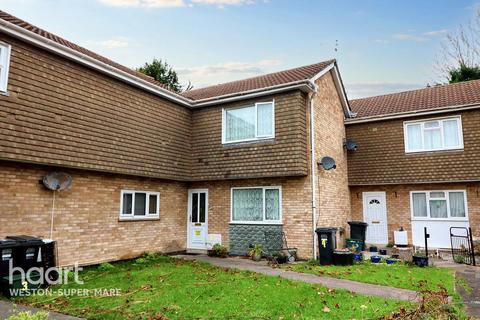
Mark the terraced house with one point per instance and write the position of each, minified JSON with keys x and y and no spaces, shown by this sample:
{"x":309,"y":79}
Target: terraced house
{"x":154,"y":170}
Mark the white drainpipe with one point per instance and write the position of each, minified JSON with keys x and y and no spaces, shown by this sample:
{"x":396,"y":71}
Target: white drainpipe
{"x":313,"y":177}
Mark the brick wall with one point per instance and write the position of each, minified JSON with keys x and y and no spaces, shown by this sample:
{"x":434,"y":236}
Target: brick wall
{"x":296,"y":208}
{"x":398,"y":204}
{"x":86,"y":216}
{"x":333,"y":196}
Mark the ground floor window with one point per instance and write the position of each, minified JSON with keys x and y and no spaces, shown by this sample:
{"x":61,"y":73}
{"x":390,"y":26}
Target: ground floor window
{"x":256,"y":205}
{"x":451,"y":204}
{"x":139,"y":204}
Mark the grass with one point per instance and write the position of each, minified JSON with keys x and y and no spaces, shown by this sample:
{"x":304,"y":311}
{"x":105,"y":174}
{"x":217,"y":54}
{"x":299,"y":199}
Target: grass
{"x":159,"y":287}
{"x":398,"y":275}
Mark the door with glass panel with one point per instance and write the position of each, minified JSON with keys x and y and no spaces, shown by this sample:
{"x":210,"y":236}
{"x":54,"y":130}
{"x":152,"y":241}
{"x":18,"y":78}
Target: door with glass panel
{"x":375,"y":214}
{"x":197,"y":232}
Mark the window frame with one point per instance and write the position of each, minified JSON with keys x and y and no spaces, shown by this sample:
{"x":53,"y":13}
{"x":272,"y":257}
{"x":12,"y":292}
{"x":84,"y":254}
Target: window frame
{"x":257,"y":137}
{"x":447,"y":198}
{"x":4,"y":71}
{"x":422,"y":122}
{"x":132,"y":216}
{"x":264,"y":221}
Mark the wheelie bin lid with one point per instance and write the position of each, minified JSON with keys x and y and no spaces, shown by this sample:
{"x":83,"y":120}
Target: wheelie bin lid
{"x":7,"y":243}
{"x":358,"y":223}
{"x":25,"y":240}
{"x":326,"y":229}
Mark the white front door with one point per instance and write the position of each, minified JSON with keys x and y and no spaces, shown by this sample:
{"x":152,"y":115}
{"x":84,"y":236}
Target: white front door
{"x":197,"y":223}
{"x":375,"y":214}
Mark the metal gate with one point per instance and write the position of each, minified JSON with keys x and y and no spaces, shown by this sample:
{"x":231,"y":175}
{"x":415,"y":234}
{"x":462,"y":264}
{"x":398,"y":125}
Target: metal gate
{"x":462,"y":245}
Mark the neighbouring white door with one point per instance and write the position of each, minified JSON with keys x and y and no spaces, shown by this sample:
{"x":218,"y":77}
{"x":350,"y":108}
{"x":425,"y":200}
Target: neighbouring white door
{"x":197,"y":223}
{"x":375,"y":214}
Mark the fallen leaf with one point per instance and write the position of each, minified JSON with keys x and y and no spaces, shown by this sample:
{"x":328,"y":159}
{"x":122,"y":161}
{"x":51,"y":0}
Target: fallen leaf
{"x":326,"y":309}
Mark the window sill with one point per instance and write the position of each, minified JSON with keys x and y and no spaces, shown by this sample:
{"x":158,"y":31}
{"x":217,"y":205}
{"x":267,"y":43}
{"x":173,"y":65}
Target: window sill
{"x":261,"y":223}
{"x":433,"y":152}
{"x":4,"y":93}
{"x":122,"y":219}
{"x":249,"y":142}
{"x":441,"y":219}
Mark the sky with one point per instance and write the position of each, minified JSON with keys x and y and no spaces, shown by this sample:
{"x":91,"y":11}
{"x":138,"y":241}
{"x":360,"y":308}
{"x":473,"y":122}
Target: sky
{"x":381,"y":46}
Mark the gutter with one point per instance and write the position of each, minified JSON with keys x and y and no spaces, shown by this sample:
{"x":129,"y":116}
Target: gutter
{"x":413,"y":113}
{"x":305,"y":85}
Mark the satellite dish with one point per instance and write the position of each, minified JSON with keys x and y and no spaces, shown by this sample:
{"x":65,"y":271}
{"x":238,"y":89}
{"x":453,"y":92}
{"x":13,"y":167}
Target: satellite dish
{"x":328,"y":163}
{"x":57,"y":181}
{"x":350,"y":144}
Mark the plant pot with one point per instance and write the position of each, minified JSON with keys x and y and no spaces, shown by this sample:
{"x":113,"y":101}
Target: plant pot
{"x":383,"y":252}
{"x":342,"y":258}
{"x":257,"y":257}
{"x":357,"y":257}
{"x":420,"y":261}
{"x":391,"y":261}
{"x":373,"y":249}
{"x":281,"y":259}
{"x":375,"y":259}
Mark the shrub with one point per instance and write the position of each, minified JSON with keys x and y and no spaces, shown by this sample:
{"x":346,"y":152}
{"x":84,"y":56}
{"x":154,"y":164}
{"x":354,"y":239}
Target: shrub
{"x":27,"y":315}
{"x":219,"y":251}
{"x":106,"y":266}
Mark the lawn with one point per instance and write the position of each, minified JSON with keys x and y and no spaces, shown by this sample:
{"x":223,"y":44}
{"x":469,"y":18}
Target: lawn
{"x":159,"y":287}
{"x":398,"y":275}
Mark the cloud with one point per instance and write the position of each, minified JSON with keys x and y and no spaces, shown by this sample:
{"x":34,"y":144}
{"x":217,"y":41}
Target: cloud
{"x":144,"y":3}
{"x":229,"y":68}
{"x":174,"y":3}
{"x":114,"y":43}
{"x":362,"y":90}
{"x":421,"y":37}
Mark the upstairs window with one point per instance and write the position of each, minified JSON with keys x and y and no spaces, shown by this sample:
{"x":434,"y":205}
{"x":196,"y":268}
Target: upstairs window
{"x":433,"y":135}
{"x":248,"y":123}
{"x":138,"y":205}
{"x":433,"y":205}
{"x":4,"y":64}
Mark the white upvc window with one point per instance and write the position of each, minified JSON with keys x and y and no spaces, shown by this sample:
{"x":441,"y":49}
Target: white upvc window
{"x":4,"y":65}
{"x":139,"y":205}
{"x":439,"y":205}
{"x":433,"y":134}
{"x":248,"y":123}
{"x":256,"y":205}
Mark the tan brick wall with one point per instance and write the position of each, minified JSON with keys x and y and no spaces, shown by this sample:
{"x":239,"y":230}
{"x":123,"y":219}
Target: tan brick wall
{"x":296,"y":208}
{"x":398,"y":204}
{"x":86,"y":216}
{"x":333,"y":197}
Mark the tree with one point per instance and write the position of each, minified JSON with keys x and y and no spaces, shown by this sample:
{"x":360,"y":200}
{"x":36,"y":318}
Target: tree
{"x":163,"y":73}
{"x":464,"y":73}
{"x":460,"y":56}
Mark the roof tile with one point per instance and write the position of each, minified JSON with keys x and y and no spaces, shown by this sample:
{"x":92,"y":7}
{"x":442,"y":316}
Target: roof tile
{"x":450,"y":95}
{"x":258,"y":83}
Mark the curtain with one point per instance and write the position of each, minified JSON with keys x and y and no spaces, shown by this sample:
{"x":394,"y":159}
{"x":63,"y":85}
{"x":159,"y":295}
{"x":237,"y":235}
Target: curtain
{"x":433,"y":135}
{"x":264,"y":119}
{"x":272,"y":204}
{"x":240,"y":124}
{"x":438,"y":209}
{"x":419,"y":204}
{"x":247,"y":205}
{"x":457,"y":204}
{"x":450,"y":133}
{"x":414,"y":137}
